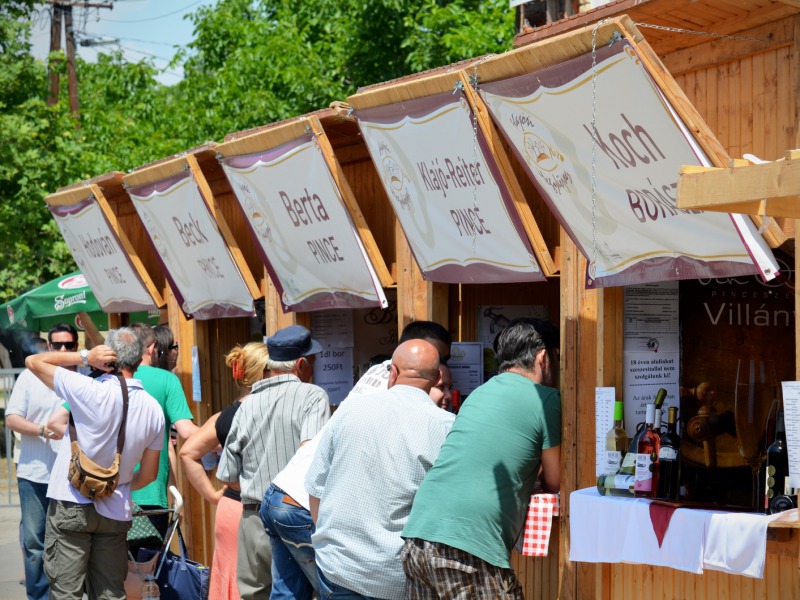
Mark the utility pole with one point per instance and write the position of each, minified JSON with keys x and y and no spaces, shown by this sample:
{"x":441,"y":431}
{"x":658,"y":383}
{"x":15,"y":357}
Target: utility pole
{"x":62,"y":11}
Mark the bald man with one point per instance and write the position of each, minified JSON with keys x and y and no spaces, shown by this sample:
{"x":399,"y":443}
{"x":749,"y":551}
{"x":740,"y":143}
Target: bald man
{"x":369,"y":463}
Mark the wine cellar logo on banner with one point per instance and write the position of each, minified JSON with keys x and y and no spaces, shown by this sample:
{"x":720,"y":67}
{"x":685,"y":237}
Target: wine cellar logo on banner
{"x":394,"y":177}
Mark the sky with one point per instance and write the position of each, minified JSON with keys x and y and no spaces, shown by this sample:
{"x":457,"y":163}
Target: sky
{"x":144,"y":29}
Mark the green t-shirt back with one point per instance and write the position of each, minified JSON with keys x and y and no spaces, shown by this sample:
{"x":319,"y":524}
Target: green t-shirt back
{"x":476,"y":495}
{"x":166,"y":388}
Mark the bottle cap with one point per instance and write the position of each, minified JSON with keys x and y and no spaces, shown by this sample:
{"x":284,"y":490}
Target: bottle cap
{"x":618,"y":410}
{"x":650,"y":414}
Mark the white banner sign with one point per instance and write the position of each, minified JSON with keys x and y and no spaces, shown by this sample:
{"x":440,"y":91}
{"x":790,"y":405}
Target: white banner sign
{"x":100,"y":257}
{"x":460,"y":224}
{"x":303,"y":229}
{"x":196,"y":259}
{"x":604,"y":149}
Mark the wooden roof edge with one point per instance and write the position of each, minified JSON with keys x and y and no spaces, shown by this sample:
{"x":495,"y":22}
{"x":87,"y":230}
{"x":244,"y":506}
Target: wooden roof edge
{"x":334,"y":110}
{"x":455,"y":68}
{"x":207,"y":147}
{"x":611,"y":9}
{"x":112,"y":177}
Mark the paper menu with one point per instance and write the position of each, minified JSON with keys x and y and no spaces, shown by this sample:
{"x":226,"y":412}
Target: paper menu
{"x":791,"y":418}
{"x":604,"y":398}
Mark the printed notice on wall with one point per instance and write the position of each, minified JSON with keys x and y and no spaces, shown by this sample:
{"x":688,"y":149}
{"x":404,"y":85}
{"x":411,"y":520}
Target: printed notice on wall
{"x":197,"y":391}
{"x":333,"y":372}
{"x":604,"y":418}
{"x":791,"y":418}
{"x":466,"y":366}
{"x":652,"y":349}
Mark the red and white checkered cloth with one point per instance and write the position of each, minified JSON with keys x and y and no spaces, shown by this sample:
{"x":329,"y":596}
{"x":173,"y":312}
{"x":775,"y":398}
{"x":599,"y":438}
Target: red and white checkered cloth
{"x":539,"y":523}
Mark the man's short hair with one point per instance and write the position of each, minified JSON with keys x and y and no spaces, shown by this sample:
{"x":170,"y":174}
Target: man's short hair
{"x":127,"y":345}
{"x":145,"y":333}
{"x":62,"y":327}
{"x":425,"y":330}
{"x":521,"y":340}
{"x":281,"y":366}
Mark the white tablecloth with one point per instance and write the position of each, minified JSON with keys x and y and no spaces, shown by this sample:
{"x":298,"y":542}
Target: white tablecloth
{"x":615,"y":529}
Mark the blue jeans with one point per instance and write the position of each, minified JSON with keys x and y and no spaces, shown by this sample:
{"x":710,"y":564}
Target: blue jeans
{"x":294,"y":572}
{"x":33,"y":502}
{"x":331,"y":591}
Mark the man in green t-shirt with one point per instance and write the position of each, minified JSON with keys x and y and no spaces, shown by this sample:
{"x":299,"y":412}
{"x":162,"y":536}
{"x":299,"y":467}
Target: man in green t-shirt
{"x":166,"y":388}
{"x":472,"y":504}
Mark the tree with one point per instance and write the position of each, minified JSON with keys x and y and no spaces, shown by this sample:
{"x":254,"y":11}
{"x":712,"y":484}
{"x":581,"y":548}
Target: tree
{"x":252,"y":62}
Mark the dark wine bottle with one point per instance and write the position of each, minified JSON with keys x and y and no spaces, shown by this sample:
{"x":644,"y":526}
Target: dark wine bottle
{"x":669,"y":459}
{"x":779,"y":495}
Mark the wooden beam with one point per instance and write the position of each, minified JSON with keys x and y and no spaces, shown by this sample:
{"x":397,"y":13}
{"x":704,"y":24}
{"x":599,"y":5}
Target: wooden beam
{"x":351,"y":204}
{"x":771,"y":189}
{"x":543,"y":256}
{"x":224,"y":229}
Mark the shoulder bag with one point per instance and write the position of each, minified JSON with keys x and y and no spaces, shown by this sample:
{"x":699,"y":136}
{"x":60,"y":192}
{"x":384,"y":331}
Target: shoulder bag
{"x":89,"y":478}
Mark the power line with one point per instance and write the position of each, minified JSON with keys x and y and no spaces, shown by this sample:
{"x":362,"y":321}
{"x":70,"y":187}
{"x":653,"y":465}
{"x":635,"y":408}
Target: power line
{"x":160,"y":16}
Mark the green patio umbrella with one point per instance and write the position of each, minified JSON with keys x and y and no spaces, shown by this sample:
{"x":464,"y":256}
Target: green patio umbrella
{"x":56,"y":301}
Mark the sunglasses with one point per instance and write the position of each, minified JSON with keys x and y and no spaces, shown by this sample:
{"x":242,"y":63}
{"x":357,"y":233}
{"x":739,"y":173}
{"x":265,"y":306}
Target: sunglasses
{"x":67,"y":345}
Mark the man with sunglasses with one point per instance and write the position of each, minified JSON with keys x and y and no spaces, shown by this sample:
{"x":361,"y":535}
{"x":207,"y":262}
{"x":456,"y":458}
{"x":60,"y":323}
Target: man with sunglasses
{"x":28,"y":410}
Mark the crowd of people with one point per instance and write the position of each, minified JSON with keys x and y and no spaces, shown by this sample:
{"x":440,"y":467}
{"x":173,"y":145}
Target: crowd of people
{"x":393,"y":496}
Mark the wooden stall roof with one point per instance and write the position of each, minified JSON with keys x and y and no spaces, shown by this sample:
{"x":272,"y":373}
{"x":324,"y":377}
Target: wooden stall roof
{"x":116,"y":205}
{"x":721,"y":17}
{"x":340,"y":142}
{"x":191,"y":159}
{"x":543,"y":237}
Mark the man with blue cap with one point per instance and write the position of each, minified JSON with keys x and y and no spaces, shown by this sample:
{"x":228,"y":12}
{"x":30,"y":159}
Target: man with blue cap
{"x":282,"y":413}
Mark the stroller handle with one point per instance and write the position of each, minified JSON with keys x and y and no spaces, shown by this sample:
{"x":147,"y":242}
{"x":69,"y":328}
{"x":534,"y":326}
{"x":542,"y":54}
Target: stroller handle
{"x":178,"y":507}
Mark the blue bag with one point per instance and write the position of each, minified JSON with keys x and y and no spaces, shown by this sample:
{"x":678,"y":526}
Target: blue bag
{"x":178,"y":577}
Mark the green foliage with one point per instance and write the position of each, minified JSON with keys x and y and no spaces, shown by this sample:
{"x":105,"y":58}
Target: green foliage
{"x":252,"y":62}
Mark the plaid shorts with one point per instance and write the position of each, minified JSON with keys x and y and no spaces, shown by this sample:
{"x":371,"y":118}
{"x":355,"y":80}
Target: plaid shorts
{"x":436,"y":571}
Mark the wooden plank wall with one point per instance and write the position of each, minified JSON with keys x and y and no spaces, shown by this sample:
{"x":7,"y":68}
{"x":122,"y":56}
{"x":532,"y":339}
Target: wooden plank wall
{"x":747,"y":91}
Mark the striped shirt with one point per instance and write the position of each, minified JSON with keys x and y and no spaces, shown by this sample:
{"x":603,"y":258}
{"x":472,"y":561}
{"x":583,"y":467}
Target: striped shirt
{"x":267,"y":430}
{"x":369,"y":463}
{"x":33,"y":400}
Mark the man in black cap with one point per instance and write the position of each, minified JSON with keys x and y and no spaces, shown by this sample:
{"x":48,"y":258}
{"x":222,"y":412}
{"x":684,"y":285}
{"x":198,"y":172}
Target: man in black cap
{"x":282,"y":412}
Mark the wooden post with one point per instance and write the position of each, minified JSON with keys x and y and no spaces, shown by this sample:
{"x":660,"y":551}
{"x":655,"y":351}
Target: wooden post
{"x":55,"y":45}
{"x":72,"y":72}
{"x":417,"y":299}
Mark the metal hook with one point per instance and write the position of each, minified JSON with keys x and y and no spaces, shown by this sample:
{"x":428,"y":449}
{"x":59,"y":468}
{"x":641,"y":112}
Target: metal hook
{"x":458,"y":87}
{"x":615,"y":37}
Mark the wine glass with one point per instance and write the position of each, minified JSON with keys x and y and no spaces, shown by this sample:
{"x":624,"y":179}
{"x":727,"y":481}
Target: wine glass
{"x":756,"y":392}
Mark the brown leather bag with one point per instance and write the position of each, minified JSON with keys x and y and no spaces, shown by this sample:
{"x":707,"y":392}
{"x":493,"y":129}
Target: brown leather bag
{"x":89,"y":478}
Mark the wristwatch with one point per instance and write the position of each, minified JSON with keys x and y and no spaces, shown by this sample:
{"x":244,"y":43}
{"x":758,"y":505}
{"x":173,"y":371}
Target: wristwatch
{"x":84,"y":357}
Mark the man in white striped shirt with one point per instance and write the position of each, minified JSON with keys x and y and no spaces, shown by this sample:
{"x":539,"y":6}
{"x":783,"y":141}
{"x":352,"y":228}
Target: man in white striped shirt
{"x":28,"y":410}
{"x":282,"y":412}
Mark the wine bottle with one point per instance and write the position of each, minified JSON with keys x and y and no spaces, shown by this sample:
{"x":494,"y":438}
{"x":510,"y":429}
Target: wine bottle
{"x":779,"y":494}
{"x":669,"y":459}
{"x":615,"y":485}
{"x":629,"y":462}
{"x":646,"y":484}
{"x":616,"y":442}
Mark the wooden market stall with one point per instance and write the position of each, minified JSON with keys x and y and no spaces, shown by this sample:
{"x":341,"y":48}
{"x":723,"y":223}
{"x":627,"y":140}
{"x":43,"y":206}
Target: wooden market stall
{"x":737,"y":64}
